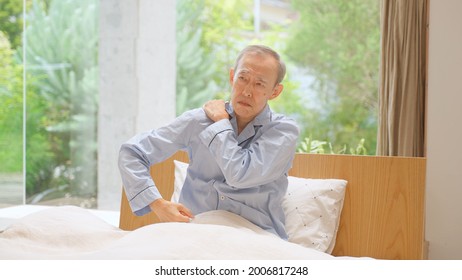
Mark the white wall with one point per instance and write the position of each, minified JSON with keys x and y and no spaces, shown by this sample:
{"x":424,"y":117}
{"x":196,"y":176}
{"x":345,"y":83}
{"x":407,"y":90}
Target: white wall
{"x":137,"y":61}
{"x":444,"y":131}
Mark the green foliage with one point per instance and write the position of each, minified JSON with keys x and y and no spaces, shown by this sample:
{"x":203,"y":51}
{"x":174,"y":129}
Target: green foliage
{"x":11,"y":110}
{"x":228,"y":27}
{"x":61,"y":53}
{"x":313,"y":146}
{"x":209,"y":35}
{"x":11,"y":20}
{"x":337,"y":42}
{"x":194,"y":80}
{"x":41,"y":158}
{"x":289,"y":101}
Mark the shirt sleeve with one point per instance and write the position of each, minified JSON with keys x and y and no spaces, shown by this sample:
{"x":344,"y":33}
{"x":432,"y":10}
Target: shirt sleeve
{"x":263,"y":161}
{"x":145,"y":149}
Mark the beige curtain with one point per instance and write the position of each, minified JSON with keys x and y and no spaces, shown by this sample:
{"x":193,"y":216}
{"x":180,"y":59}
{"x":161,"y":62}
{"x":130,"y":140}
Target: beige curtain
{"x":402,"y":91}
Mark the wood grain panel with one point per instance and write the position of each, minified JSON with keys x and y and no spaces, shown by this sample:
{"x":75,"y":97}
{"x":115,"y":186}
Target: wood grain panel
{"x":383,"y":213}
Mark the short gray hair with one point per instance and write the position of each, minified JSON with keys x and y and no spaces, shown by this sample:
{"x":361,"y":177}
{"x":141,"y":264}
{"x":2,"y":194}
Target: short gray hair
{"x":260,"y":49}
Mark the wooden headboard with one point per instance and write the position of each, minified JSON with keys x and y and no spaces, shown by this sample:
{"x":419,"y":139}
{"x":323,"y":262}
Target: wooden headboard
{"x":383,"y":213}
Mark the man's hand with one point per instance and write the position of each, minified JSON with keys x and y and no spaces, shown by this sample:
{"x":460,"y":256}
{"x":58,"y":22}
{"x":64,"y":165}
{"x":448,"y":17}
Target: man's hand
{"x":215,"y":110}
{"x":168,"y":211}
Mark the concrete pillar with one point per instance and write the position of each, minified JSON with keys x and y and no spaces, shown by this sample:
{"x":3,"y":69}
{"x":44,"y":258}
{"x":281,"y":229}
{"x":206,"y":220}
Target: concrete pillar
{"x":137,"y":62}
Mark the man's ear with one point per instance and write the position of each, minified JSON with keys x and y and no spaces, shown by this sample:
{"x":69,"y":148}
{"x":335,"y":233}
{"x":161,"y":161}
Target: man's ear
{"x":276,"y":91}
{"x":231,"y":76}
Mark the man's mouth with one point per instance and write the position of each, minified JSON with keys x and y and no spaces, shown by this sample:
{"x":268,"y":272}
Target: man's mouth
{"x":245,"y":104}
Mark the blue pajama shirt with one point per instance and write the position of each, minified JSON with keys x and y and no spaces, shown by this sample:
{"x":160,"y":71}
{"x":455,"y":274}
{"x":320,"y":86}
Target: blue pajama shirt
{"x":245,"y":174}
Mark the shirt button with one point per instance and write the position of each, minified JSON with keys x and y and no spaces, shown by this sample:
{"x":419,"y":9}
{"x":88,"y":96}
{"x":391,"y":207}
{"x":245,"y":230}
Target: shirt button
{"x":222,"y":197}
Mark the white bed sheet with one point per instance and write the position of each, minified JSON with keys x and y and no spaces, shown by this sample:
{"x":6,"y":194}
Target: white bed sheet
{"x":70,"y":232}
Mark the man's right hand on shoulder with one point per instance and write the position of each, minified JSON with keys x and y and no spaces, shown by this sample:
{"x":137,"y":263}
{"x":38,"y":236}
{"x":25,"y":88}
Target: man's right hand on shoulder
{"x":215,"y":110}
{"x":168,"y":211}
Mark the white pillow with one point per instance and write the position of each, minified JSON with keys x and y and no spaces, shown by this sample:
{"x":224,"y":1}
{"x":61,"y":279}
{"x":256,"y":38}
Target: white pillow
{"x":312,"y":208}
{"x":180,"y":175}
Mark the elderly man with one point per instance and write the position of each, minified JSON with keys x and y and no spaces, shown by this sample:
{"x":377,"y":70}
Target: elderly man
{"x":239,"y":151}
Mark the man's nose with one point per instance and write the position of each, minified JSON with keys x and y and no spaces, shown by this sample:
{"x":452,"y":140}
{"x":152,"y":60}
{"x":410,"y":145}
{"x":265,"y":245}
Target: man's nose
{"x":248,"y":90}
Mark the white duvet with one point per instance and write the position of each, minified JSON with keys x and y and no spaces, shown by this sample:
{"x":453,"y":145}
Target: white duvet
{"x":70,"y":232}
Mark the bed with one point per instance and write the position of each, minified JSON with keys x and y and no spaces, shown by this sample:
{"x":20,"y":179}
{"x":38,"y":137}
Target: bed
{"x":382,"y":215}
{"x":337,"y":207}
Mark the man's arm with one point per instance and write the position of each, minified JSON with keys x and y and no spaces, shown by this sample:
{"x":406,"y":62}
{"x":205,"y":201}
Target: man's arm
{"x":135,"y":158}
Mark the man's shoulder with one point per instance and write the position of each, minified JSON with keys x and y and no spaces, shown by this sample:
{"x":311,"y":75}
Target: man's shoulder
{"x":196,"y":115}
{"x":284,"y":124}
{"x":282,"y":118}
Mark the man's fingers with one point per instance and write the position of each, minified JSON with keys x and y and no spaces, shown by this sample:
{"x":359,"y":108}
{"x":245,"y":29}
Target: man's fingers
{"x":168,"y":211}
{"x":185,"y":211}
{"x":182,"y":218}
{"x":215,"y":110}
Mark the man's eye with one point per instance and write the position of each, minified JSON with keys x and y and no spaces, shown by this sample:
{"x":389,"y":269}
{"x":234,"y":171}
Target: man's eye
{"x":260,"y":85}
{"x":242,"y":79}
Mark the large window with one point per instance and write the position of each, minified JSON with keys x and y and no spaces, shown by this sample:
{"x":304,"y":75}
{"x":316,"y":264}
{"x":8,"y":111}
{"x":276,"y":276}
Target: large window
{"x":49,"y":80}
{"x":53,"y":83}
{"x":62,"y":66}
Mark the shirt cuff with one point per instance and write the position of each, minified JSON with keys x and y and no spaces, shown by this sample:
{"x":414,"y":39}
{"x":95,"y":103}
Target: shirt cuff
{"x":140,"y":202}
{"x":143,"y":211}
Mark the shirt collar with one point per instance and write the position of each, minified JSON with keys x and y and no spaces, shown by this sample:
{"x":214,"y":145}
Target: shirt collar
{"x":263,"y":118}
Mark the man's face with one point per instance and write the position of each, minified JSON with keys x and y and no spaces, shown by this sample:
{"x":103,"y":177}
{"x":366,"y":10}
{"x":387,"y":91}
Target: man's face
{"x":253,"y":84}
